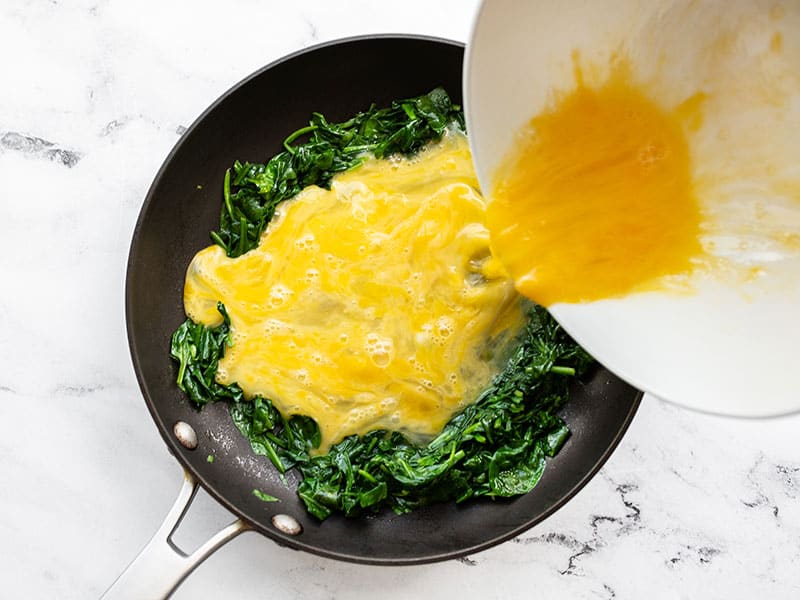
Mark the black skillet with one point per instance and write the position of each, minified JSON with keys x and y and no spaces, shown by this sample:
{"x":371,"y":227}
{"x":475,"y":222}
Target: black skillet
{"x":250,"y":122}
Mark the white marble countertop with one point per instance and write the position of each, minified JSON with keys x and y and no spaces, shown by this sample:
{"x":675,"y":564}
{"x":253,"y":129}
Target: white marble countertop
{"x":94,"y":95}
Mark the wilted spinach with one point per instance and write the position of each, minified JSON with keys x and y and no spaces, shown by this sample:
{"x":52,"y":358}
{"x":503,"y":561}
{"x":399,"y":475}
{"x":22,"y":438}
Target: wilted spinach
{"x":496,"y":447}
{"x":251,"y":191}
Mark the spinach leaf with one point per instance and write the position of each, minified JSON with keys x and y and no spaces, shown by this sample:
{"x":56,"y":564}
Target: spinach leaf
{"x":198,"y":350}
{"x":264,"y":497}
{"x":251,"y":191}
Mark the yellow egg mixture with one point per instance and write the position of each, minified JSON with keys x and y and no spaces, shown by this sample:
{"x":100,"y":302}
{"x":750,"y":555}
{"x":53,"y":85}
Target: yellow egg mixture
{"x":596,"y":200}
{"x":374,"y":305}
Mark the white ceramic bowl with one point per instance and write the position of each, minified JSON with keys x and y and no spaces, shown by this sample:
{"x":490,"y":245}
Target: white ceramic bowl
{"x":731,"y":345}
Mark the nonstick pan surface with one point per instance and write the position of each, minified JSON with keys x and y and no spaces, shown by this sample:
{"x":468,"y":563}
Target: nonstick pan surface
{"x":249,"y":122}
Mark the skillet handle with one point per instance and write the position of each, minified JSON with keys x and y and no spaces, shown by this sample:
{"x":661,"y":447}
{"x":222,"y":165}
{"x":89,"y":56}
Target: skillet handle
{"x":161,"y":566}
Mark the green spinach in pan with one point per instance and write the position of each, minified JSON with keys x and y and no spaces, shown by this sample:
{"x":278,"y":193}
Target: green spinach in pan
{"x":252,"y":191}
{"x":496,"y":447}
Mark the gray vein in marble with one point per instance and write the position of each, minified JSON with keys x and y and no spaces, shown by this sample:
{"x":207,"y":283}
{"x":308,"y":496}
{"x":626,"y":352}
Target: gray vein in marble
{"x":313,"y":31}
{"x":78,"y":390}
{"x":791,"y":479}
{"x":760,"y":498}
{"x":580,"y":548}
{"x":113,"y":125}
{"x":560,"y":539}
{"x":7,"y":390}
{"x":610,"y":590}
{"x":95,"y":9}
{"x":38,"y":147}
{"x":629,"y":522}
{"x":691,"y":484}
{"x":634,"y":517}
{"x":112,"y":128}
{"x":572,"y":565}
{"x":701,"y":555}
{"x":466,"y":560}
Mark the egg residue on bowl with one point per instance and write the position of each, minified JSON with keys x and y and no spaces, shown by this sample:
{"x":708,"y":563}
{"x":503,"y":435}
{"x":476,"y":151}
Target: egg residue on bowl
{"x":376,"y":304}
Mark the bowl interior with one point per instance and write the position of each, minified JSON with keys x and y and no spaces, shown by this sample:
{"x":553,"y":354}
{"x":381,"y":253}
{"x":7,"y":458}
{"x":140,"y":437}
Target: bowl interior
{"x":707,"y":345}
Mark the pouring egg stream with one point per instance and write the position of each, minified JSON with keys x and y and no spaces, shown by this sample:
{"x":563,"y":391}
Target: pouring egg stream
{"x":639,"y":159}
{"x":596,"y":199}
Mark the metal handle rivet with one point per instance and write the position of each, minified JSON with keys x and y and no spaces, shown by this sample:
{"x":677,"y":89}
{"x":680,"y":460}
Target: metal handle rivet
{"x":186,"y":435}
{"x":287,"y":524}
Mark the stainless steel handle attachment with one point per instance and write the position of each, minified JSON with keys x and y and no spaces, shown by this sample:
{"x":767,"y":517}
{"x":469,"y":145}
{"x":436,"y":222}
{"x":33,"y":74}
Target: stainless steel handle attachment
{"x":161,"y":566}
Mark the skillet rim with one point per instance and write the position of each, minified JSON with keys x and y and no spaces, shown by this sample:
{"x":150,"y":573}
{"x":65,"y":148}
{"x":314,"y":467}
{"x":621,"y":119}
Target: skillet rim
{"x":177,"y":450}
